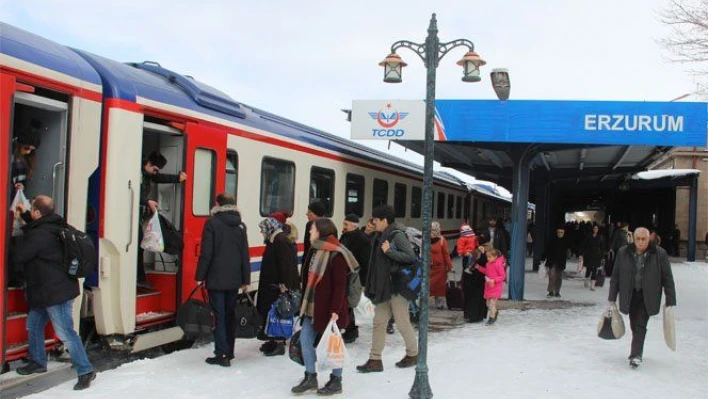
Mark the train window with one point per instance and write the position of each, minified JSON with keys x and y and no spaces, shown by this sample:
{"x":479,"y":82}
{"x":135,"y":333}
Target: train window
{"x":458,"y":211}
{"x":380,"y":193}
{"x":355,"y":195}
{"x":416,"y":202}
{"x":232,"y":172}
{"x":441,"y":206}
{"x":400,"y":192}
{"x":322,"y":187}
{"x":450,"y":206}
{"x":203,"y":193}
{"x":277,"y":186}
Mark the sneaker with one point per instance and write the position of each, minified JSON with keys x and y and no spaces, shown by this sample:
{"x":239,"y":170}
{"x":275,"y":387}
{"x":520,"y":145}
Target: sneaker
{"x":407,"y":361}
{"x":635,"y":362}
{"x":389,"y":328}
{"x":371,"y":366}
{"x":31,"y":368}
{"x":85,"y":381}
{"x":278,"y":350}
{"x":222,"y":361}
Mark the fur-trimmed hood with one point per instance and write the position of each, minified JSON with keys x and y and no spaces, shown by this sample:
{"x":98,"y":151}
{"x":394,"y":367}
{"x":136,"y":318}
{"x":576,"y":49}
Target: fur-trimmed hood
{"x":228,"y":214}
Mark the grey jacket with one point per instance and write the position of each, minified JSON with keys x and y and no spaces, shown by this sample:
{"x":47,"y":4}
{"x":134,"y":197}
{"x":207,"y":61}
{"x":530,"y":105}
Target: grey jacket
{"x":382,"y":280}
{"x":657,"y":274}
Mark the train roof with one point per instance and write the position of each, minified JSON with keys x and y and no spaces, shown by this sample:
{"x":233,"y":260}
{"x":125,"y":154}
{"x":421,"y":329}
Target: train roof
{"x":26,"y":46}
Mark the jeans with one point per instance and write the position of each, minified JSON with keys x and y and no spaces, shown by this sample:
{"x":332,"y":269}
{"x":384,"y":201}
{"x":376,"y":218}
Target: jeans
{"x":223,"y":304}
{"x":638,"y":319}
{"x":307,"y":341}
{"x":61,"y":318}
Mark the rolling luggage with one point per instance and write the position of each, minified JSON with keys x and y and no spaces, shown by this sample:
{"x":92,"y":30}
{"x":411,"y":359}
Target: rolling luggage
{"x":453,"y":294}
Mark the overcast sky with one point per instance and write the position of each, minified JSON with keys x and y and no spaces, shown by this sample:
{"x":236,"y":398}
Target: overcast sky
{"x":307,"y":59}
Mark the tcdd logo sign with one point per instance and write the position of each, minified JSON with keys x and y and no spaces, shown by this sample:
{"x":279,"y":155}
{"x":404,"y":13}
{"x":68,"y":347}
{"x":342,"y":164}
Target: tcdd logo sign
{"x":388,"y":117}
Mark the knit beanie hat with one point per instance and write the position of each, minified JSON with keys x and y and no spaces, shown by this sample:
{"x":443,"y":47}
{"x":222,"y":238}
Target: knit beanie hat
{"x":317,"y":208}
{"x":280,"y":216}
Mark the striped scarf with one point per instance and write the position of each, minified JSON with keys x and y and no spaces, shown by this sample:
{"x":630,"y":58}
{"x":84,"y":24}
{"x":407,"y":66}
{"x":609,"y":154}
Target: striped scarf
{"x":322,"y":251}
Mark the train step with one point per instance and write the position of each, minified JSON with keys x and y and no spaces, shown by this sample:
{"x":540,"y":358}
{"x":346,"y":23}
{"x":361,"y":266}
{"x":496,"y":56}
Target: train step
{"x":16,"y":300}
{"x":147,"y":301}
{"x":147,"y":319}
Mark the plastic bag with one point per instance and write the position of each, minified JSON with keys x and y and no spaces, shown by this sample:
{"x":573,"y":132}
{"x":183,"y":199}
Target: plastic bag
{"x":331,"y":352}
{"x":669,"y":327}
{"x":543,"y":271}
{"x":17,"y":223}
{"x":152,"y":236}
{"x":365,"y":309}
{"x":611,"y":325}
{"x":277,"y":326}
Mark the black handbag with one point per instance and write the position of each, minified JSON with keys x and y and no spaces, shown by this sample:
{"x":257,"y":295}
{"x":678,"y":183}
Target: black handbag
{"x":295,"y":349}
{"x":248,"y":320}
{"x":196,"y":317}
{"x":171,"y":236}
{"x":288,"y":303}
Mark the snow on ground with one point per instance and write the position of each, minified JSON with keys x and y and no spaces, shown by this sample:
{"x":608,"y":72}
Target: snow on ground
{"x":527,"y":354}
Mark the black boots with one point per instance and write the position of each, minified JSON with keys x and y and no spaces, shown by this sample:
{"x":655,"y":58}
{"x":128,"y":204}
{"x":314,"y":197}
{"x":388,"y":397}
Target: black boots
{"x":332,"y":387}
{"x":278,"y":349}
{"x":221,"y":360}
{"x":85,"y":381}
{"x":31,"y":368}
{"x":309,"y":383}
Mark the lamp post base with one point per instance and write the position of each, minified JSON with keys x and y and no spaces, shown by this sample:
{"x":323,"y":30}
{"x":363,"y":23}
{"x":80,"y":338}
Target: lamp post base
{"x":421,"y":387}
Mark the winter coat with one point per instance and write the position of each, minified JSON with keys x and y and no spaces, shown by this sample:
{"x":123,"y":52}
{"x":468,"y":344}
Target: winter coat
{"x":224,"y":262}
{"x":147,"y":179}
{"x":307,"y":242}
{"x":556,"y":253}
{"x":358,"y":243}
{"x":619,"y":239}
{"x":494,"y":270}
{"x":330,"y":292}
{"x":466,"y":244}
{"x":40,"y":256}
{"x":657,"y":274}
{"x":278,"y":266}
{"x":441,"y":264}
{"x":593,"y":250}
{"x":383,"y":279}
{"x":501,"y":239}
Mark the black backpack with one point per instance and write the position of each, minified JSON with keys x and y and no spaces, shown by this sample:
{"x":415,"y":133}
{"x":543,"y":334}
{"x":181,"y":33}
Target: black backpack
{"x":171,"y":236}
{"x":79,"y":253}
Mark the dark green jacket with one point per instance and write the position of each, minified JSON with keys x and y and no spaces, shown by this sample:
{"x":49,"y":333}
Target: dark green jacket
{"x":382,"y":280}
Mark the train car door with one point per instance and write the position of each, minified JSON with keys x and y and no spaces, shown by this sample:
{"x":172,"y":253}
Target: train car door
{"x":206,"y":163}
{"x":7,"y":83}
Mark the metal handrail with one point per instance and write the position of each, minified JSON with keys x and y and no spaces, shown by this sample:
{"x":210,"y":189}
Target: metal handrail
{"x":131,"y":213}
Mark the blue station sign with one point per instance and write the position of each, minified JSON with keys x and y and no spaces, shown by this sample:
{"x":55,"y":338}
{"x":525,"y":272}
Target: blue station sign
{"x":573,"y":122}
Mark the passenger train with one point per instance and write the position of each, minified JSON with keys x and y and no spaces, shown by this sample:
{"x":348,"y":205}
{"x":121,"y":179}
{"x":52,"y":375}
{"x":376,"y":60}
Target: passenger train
{"x":101,"y":117}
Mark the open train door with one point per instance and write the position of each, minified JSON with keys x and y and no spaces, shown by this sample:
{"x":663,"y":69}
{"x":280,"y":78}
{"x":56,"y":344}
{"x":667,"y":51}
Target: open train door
{"x":206,"y":165}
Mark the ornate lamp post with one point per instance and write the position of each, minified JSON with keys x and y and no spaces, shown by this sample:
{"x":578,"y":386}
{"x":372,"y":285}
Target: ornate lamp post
{"x":431,"y":52}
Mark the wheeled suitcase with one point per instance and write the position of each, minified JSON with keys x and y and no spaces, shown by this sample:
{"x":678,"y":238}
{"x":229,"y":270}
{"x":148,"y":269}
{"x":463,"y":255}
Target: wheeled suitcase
{"x":453,"y":294}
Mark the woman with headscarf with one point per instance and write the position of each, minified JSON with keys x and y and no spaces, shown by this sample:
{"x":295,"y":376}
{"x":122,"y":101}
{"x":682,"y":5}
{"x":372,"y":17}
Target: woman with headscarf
{"x":278,"y":275}
{"x":475,"y":309}
{"x":324,"y":284}
{"x":441,"y":264}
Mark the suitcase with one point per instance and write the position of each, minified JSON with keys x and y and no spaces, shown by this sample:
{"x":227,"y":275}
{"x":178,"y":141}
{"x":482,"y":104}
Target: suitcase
{"x":453,"y":294}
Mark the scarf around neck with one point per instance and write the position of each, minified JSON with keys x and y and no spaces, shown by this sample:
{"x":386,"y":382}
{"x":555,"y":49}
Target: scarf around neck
{"x":322,"y":251}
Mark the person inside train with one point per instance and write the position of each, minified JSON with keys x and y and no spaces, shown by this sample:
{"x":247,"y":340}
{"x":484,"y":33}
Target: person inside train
{"x":152,"y":165}
{"x":26,"y":142}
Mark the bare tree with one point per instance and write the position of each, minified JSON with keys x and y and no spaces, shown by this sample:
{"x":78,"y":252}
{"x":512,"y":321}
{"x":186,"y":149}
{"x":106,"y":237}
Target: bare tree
{"x":688,"y":41}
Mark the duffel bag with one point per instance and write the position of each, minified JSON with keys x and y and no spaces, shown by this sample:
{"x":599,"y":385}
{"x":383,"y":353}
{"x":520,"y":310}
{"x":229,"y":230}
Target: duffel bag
{"x":196,"y":317}
{"x":248,"y":320}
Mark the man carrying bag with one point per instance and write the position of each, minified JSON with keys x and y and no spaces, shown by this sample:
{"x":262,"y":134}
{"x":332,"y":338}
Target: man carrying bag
{"x":225,"y":265}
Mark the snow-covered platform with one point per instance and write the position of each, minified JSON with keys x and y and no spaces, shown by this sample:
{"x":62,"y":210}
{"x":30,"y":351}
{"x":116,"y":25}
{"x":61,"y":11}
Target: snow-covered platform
{"x":534,"y":353}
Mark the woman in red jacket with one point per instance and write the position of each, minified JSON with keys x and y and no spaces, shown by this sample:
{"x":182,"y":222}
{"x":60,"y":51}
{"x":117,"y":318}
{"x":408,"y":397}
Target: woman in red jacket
{"x":440,"y":266}
{"x":324,"y":287}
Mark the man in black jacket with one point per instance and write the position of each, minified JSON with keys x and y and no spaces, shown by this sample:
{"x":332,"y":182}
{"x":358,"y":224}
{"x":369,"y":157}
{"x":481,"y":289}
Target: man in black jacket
{"x":555,"y":255}
{"x":50,"y":290}
{"x":359,"y":244}
{"x":641,"y":271}
{"x":496,"y":235}
{"x":315,"y":210}
{"x":225,"y":265}
{"x":148,"y":206}
{"x":389,"y":251}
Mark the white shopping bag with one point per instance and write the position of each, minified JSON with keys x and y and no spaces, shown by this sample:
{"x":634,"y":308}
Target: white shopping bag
{"x":669,"y":327}
{"x":17,"y":223}
{"x":365,"y":309}
{"x":152,"y":235}
{"x":543,"y":271}
{"x":331,"y":352}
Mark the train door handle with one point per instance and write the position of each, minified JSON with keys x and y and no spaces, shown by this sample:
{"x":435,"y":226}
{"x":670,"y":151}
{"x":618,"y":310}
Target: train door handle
{"x":131,"y":201}
{"x":54,"y":177}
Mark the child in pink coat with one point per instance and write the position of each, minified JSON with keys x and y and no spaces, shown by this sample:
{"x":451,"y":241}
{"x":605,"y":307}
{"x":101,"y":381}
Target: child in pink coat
{"x":495,"y":274}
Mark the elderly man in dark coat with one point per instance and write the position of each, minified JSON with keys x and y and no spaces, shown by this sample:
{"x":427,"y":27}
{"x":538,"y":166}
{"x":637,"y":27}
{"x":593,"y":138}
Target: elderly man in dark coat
{"x":555,"y":255}
{"x":225,"y":265}
{"x":641,"y":271}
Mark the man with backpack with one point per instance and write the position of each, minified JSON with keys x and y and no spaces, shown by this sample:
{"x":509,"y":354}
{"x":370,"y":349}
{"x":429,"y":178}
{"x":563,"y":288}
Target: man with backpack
{"x":391,"y":256}
{"x":50,"y":290}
